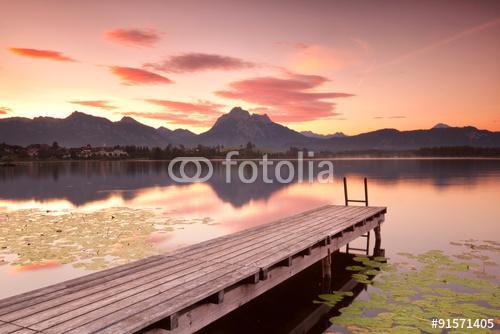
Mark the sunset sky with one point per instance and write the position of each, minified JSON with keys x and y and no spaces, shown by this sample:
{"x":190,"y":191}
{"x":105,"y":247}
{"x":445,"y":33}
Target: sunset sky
{"x":325,"y":66}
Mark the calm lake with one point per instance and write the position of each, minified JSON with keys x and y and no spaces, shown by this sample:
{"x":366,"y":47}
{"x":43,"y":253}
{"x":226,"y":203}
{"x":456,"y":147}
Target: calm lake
{"x":63,"y":220}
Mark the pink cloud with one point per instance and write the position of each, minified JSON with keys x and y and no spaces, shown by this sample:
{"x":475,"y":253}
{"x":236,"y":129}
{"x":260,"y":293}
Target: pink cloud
{"x":200,"y":113}
{"x":133,"y":37}
{"x":173,"y":118}
{"x":136,"y":76}
{"x":95,"y":103}
{"x":288,"y":99}
{"x":5,"y":110}
{"x":316,"y":58}
{"x":44,"y":54}
{"x":196,"y":62}
{"x":201,"y":107}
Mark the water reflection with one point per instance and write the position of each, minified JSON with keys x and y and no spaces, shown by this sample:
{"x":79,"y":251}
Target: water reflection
{"x":81,"y":183}
{"x":431,"y":202}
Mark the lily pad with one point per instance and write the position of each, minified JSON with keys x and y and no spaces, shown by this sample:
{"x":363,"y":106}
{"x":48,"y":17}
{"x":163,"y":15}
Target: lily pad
{"x":437,"y":285}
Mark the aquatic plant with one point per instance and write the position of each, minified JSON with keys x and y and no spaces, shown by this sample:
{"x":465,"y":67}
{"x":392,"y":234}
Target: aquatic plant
{"x":407,"y":295}
{"x":31,"y":239}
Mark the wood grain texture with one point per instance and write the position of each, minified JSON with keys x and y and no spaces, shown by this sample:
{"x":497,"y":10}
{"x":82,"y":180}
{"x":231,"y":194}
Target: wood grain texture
{"x":217,"y":275}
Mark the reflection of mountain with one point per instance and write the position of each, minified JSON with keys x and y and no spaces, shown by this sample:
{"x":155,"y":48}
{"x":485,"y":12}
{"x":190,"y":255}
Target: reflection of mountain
{"x":238,"y":193}
{"x":236,"y":128}
{"x":83,"y":182}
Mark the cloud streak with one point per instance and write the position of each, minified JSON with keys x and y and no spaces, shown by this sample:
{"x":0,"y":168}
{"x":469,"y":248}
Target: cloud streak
{"x":439,"y":43}
{"x":197,"y":62}
{"x":389,"y":117}
{"x":201,"y":107}
{"x":42,"y":54}
{"x":200,"y":113}
{"x":172,"y":118}
{"x":289,"y":99}
{"x":5,"y":110}
{"x":135,"y":76}
{"x":133,"y":37}
{"x":315,"y":58}
{"x":95,"y":104}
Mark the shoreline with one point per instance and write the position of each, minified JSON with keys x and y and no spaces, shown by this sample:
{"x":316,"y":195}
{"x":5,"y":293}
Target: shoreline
{"x":20,"y":162}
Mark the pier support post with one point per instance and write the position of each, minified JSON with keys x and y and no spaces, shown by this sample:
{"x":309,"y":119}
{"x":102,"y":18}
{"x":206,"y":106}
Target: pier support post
{"x":326,"y":272}
{"x":377,"y":251}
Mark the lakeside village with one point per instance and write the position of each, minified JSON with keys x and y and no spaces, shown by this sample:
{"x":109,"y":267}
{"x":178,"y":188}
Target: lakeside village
{"x":54,"y":151}
{"x":44,"y":152}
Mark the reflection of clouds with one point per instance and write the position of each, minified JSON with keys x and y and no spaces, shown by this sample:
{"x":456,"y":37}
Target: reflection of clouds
{"x":199,"y":200}
{"x":197,"y":213}
{"x":158,"y":238}
{"x":37,"y":266}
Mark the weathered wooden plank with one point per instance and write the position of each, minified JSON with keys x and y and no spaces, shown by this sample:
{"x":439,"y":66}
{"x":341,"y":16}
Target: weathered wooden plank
{"x":274,"y":255}
{"x":250,"y":234}
{"x":44,"y":305}
{"x":8,"y":328}
{"x":269,"y":247}
{"x":58,"y":290}
{"x":70,"y":306}
{"x":30,"y":295}
{"x":262,"y":241}
{"x":114,"y":302}
{"x":140,"y":264}
{"x":25,"y":331}
{"x":277,"y":254}
{"x":174,"y":301}
{"x":223,"y":253}
{"x":84,"y":301}
{"x":104,"y":316}
{"x":207,"y":313}
{"x":160,"y":286}
{"x":18,"y":311}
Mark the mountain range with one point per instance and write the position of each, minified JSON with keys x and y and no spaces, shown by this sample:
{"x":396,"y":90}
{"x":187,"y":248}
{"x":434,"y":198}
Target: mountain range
{"x":234,"y":129}
{"x":317,"y":135}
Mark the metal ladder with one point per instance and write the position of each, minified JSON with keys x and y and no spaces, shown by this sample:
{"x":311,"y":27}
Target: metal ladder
{"x":347,"y":201}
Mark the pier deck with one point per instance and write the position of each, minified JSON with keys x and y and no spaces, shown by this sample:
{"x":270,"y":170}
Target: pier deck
{"x":183,"y":291}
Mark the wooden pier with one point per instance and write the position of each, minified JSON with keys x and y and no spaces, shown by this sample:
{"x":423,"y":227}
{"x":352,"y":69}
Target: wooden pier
{"x":183,"y":291}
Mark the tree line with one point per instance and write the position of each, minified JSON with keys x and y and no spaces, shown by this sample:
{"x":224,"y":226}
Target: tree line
{"x":249,"y":151}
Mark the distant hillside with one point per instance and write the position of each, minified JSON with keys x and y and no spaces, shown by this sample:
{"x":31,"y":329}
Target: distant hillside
{"x":392,"y":139}
{"x":234,"y":129}
{"x":441,"y":126}
{"x":80,"y":129}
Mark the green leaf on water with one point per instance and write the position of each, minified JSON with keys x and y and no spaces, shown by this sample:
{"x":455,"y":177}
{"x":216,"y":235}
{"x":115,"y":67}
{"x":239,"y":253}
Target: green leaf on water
{"x":430,"y":285}
{"x":355,"y":268}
